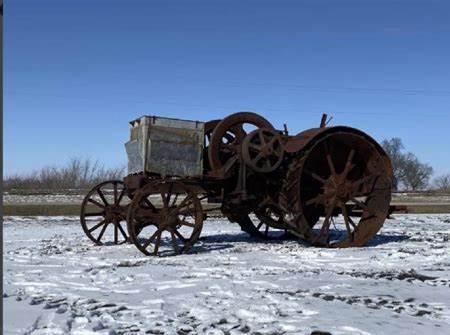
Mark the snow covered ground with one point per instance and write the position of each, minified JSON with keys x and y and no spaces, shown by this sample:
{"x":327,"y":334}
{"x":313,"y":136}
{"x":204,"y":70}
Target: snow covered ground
{"x":57,"y":282}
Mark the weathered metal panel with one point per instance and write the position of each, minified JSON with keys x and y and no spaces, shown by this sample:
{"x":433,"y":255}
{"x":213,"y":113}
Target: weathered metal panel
{"x":165,"y":146}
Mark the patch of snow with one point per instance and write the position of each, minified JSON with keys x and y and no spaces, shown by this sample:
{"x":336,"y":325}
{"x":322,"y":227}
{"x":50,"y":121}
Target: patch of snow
{"x":57,"y":282}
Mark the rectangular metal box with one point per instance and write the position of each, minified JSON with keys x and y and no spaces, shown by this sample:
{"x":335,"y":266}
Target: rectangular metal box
{"x":170,"y":147}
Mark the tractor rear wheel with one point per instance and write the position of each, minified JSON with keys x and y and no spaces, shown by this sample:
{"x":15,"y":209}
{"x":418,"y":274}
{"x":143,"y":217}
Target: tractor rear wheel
{"x":338,"y":190}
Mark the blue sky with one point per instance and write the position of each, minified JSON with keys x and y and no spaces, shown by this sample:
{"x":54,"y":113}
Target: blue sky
{"x":76,"y":71}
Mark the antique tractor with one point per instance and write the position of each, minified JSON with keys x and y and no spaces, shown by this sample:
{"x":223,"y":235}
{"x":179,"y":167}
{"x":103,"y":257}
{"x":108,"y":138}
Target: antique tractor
{"x":330,"y":186}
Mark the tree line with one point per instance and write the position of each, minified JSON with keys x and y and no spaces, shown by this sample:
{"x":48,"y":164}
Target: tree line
{"x":410,"y":173}
{"x":77,"y":173}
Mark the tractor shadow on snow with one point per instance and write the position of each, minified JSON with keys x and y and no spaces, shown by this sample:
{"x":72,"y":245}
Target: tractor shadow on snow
{"x":228,"y":240}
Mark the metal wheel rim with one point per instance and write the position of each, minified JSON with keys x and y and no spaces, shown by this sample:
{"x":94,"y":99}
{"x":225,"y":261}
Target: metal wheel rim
{"x":155,"y":239}
{"x":234,"y":123}
{"x":374,"y":208}
{"x":117,"y":220}
{"x":260,"y":230}
{"x":263,"y":145}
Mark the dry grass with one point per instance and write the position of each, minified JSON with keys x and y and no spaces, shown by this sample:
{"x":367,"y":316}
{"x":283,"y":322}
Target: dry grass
{"x":76,"y":174}
{"x":41,"y":210}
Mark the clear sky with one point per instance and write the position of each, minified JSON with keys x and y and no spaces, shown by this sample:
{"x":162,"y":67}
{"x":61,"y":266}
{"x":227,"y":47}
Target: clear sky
{"x":76,"y":71}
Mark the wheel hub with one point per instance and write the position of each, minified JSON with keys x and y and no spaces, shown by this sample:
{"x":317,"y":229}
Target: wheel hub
{"x":266,"y":150}
{"x":337,"y":190}
{"x":113,"y":212}
{"x":169,"y":222}
{"x":262,"y":150}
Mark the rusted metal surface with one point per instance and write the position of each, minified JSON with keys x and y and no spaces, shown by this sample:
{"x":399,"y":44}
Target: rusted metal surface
{"x":262,"y":150}
{"x":225,"y":145}
{"x":337,"y":169}
{"x":330,"y":186}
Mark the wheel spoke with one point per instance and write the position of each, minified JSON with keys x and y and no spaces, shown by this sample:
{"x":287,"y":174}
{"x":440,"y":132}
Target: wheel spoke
{"x":347,"y":225}
{"x":363,"y":206}
{"x":316,"y":200}
{"x":229,"y":164}
{"x":121,"y":194}
{"x":95,"y":202}
{"x":157,"y":243}
{"x":352,"y":223}
{"x":316,"y":176}
{"x":239,"y":132}
{"x":262,"y":139}
{"x":254,"y":146}
{"x":94,"y":214}
{"x":116,"y":232}
{"x":228,"y":138}
{"x":186,"y":223}
{"x":331,"y":165}
{"x":122,"y":231}
{"x":181,"y":237}
{"x":325,"y":226}
{"x":361,"y":181}
{"x":270,"y":144}
{"x":149,"y":204}
{"x":101,"y":233}
{"x":258,"y":157}
{"x":186,"y":202}
{"x":150,"y":240}
{"x":186,"y":212}
{"x":102,"y":196}
{"x":174,"y":201}
{"x":348,"y":165}
{"x":97,"y":226}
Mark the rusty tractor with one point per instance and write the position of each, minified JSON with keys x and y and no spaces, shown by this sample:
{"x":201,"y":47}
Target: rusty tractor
{"x":329,"y":186}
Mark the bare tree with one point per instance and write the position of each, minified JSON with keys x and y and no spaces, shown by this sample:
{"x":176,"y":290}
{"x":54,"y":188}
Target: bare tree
{"x":409,"y":172}
{"x":393,"y":148}
{"x":442,"y":183}
{"x":415,"y":174}
{"x":76,"y":174}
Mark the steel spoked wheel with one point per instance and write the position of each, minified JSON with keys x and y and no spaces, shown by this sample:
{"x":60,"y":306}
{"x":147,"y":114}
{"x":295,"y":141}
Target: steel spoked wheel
{"x":262,"y":150}
{"x":271,"y":216}
{"x":165,"y":218}
{"x":265,"y":224}
{"x":103,"y":213}
{"x":227,"y":137}
{"x":344,"y":190}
